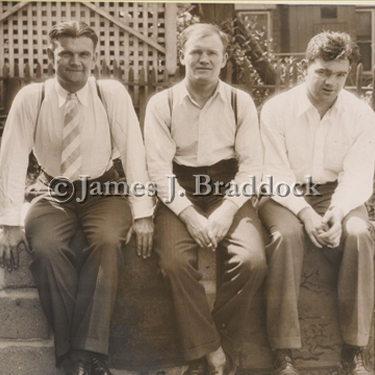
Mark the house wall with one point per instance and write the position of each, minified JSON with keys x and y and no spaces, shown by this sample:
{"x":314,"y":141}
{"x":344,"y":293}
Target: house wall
{"x":304,"y":21}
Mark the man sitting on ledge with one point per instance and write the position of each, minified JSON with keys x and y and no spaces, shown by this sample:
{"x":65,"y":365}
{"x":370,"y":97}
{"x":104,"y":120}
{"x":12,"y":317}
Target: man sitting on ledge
{"x":203,"y":126}
{"x":320,"y":130}
{"x":73,"y":132}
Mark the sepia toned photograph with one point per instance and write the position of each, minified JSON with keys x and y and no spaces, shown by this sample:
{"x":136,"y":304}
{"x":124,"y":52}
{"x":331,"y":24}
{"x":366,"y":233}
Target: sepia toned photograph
{"x":187,"y":188}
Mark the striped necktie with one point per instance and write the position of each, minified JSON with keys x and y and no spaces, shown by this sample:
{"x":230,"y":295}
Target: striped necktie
{"x":71,"y":159}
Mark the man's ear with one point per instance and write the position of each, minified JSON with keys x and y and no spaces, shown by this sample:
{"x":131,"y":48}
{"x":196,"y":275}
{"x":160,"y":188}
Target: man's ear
{"x":225,"y":60}
{"x":304,"y":66}
{"x":95,"y":58}
{"x":181,"y":56}
{"x":51,"y":55}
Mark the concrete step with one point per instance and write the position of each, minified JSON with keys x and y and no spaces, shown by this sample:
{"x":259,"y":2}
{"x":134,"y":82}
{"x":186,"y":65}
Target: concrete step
{"x":36,"y":357}
{"x":27,"y":357}
{"x":21,"y":315}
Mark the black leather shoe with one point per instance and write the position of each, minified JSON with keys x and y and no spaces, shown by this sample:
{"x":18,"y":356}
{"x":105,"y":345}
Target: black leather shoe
{"x":354,"y":361}
{"x":284,"y":364}
{"x":99,"y":367}
{"x":197,"y":367}
{"x":72,"y":367}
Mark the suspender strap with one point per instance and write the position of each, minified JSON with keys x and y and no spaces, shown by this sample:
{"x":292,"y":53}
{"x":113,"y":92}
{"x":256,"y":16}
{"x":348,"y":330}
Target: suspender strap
{"x":170,"y":100}
{"x":41,"y":101}
{"x":99,"y":91}
{"x":233,"y":100}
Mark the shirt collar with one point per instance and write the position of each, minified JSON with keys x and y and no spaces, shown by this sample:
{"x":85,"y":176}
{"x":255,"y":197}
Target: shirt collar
{"x":62,"y":94}
{"x":304,"y":103}
{"x":183,"y":91}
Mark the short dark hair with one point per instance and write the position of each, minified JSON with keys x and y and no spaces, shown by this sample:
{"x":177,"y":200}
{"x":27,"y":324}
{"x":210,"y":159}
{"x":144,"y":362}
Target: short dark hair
{"x":204,"y":29}
{"x":332,"y":45}
{"x":72,"y":29}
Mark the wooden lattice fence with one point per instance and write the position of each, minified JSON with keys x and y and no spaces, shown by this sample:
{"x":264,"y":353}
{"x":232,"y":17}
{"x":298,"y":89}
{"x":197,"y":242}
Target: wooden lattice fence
{"x":131,"y":33}
{"x":133,"y":37}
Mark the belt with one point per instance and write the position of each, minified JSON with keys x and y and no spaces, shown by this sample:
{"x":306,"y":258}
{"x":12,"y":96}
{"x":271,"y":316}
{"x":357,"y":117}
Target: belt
{"x":110,"y":175}
{"x":225,"y":165}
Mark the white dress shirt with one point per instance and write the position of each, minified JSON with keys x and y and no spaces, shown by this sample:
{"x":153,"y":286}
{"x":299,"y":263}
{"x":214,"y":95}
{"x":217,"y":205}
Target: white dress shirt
{"x":198,"y":136}
{"x":103,"y":129}
{"x":298,"y":143}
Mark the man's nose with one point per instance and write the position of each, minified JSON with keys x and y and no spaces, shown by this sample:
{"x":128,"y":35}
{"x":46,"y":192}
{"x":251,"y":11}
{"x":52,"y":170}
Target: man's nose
{"x":75,"y":60}
{"x":203,"y":57}
{"x":331,"y":79}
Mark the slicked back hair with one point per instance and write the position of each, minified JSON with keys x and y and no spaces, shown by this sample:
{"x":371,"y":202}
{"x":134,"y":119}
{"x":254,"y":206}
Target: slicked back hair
{"x":331,"y":46}
{"x":71,"y":29}
{"x":204,"y":30}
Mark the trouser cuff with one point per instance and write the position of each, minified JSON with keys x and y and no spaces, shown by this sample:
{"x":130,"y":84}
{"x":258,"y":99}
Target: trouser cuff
{"x":285,"y":342}
{"x":91,"y":345}
{"x":355,"y":339}
{"x":201,"y":351}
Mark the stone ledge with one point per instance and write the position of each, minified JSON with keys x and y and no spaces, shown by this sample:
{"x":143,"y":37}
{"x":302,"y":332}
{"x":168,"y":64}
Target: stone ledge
{"x":27,"y":358}
{"x":22,"y":314}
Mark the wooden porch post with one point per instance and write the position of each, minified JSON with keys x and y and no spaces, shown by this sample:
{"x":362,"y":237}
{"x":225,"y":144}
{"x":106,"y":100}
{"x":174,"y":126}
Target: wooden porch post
{"x":171,"y":37}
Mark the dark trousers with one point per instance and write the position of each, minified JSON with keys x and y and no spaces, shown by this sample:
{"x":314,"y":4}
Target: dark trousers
{"x":285,"y":252}
{"x":77,"y":287}
{"x":244,"y":268}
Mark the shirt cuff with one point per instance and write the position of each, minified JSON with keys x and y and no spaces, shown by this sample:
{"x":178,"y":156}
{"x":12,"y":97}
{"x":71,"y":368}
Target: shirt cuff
{"x":292,"y":203}
{"x":239,"y":201}
{"x":178,"y":204}
{"x":11,"y":217}
{"x":142,"y":209}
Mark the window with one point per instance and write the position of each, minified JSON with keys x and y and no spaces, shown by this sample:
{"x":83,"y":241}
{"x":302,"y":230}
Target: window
{"x":262,"y":19}
{"x":365,"y":36}
{"x":328,"y":12}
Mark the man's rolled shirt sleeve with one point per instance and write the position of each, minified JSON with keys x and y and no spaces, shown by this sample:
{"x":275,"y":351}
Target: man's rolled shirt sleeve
{"x":17,"y":143}
{"x":355,"y":182}
{"x":276,"y":163}
{"x":248,"y":147}
{"x":161,"y":149}
{"x":127,"y":138}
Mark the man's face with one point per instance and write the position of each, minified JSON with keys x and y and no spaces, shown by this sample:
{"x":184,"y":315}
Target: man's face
{"x":203,"y":58}
{"x":73,"y":59}
{"x":325,"y":79}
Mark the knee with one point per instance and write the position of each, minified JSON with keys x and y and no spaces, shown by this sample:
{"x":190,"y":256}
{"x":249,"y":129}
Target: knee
{"x":290,"y":233}
{"x":45,"y":250}
{"x":287,"y":239}
{"x":357,"y":229}
{"x":109,"y":241}
{"x":250,"y":263}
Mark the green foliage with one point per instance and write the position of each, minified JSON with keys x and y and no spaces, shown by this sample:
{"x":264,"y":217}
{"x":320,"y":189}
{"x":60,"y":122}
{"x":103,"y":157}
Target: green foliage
{"x":251,"y":53}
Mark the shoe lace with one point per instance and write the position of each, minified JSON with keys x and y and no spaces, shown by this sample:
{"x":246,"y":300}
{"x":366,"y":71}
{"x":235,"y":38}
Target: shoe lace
{"x":284,"y":359}
{"x":360,"y":358}
{"x":196,"y":368}
{"x":99,"y":364}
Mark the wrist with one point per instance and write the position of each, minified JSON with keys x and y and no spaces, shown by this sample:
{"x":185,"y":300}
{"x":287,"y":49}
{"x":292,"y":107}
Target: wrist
{"x":143,"y":218}
{"x":338,"y":211}
{"x":186,"y":214}
{"x":10,"y":228}
{"x":305,"y":213}
{"x":229,"y":207}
